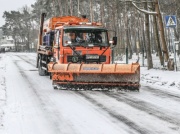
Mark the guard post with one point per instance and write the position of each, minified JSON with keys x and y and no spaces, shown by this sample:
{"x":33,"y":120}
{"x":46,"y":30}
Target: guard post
{"x":176,"y":48}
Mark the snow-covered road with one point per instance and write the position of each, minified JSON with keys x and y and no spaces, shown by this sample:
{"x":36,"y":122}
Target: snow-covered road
{"x":29,"y":105}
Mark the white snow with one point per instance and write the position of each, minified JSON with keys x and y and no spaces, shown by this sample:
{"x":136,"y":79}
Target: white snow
{"x":158,"y":77}
{"x":29,"y":104}
{"x":162,"y":79}
{"x":2,"y":91}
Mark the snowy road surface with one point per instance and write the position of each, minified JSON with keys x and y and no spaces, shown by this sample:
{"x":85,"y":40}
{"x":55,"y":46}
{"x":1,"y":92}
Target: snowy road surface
{"x":29,"y":105}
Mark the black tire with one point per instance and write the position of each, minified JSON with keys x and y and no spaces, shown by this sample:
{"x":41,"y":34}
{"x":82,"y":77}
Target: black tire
{"x":50,"y":75}
{"x":55,"y":86}
{"x":40,"y":70}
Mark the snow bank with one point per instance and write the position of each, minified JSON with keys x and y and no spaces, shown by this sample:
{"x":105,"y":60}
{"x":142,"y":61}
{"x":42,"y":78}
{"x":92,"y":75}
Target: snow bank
{"x":162,"y":79}
{"x":2,"y":90}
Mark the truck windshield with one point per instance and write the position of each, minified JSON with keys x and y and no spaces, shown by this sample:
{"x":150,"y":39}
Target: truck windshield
{"x":85,"y":37}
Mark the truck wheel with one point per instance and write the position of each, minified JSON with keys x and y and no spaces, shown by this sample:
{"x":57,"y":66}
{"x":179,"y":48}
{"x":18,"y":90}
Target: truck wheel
{"x":41,"y":71}
{"x":55,"y":86}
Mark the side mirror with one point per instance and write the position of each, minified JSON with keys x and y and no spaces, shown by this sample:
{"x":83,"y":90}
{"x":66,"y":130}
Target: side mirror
{"x":115,"y":41}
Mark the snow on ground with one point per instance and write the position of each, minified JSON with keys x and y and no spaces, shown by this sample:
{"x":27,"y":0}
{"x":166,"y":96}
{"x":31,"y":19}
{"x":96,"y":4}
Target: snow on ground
{"x":162,"y":79}
{"x":2,"y":90}
{"x":29,"y":105}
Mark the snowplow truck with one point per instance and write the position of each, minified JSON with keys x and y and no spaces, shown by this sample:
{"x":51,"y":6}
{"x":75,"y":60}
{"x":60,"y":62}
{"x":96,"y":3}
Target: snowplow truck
{"x":78,"y":53}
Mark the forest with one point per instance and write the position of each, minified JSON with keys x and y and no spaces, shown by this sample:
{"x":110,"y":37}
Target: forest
{"x":139,"y":24}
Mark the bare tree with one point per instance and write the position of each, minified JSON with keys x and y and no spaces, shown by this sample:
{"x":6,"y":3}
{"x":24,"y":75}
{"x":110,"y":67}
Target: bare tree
{"x":91,"y":11}
{"x":149,"y":56}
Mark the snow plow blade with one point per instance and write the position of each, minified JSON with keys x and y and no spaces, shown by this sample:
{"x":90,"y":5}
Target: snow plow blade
{"x":96,"y":75}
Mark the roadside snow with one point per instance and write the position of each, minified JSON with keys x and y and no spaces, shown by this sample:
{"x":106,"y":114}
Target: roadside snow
{"x":159,"y":77}
{"x":162,"y":79}
{"x":2,"y":91}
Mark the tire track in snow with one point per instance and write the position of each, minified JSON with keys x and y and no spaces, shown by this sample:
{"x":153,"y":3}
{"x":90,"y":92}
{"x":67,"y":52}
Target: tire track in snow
{"x":162,"y":93}
{"x":128,"y":123}
{"x":117,"y":116}
{"x":26,"y":60}
{"x":56,"y":123}
{"x":133,"y":102}
{"x":144,"y":106}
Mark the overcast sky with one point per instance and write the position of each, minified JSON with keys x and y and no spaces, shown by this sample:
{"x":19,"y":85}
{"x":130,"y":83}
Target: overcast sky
{"x":9,"y":5}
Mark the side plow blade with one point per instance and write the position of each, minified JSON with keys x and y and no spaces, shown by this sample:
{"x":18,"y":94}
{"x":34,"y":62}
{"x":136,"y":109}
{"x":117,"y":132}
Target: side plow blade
{"x":96,"y":75}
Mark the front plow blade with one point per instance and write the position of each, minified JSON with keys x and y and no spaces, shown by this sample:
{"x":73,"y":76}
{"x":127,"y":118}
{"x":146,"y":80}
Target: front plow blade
{"x":100,"y":75}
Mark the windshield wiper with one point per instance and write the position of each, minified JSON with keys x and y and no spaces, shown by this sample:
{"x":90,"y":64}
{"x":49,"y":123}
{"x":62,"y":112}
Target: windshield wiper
{"x":81,"y":44}
{"x":73,"y":49}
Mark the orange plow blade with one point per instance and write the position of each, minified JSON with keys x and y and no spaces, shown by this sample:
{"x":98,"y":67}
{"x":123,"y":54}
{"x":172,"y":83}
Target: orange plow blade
{"x":100,"y":75}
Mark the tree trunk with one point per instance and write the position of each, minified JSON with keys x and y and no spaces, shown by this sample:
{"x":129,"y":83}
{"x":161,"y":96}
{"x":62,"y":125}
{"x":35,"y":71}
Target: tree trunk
{"x":158,"y":41}
{"x":139,"y":33}
{"x":127,"y":34}
{"x":78,"y":8}
{"x":66,"y":9}
{"x":129,"y":43}
{"x":91,"y":10}
{"x":144,"y":39}
{"x":60,"y":8}
{"x":149,"y":56}
{"x":71,"y":7}
{"x":161,"y":28}
{"x":102,"y":11}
